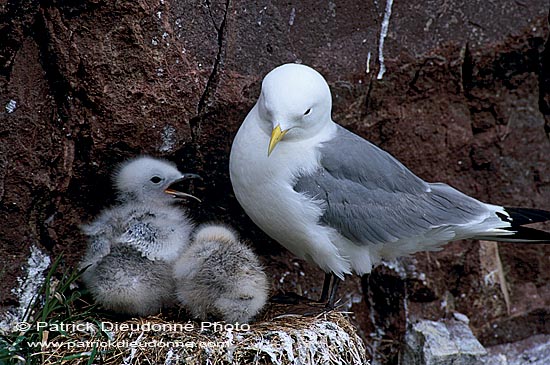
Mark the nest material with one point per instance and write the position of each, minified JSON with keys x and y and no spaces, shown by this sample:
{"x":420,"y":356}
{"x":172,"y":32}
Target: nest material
{"x":328,"y":338}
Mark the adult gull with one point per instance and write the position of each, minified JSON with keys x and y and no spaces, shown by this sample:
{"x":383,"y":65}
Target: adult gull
{"x":335,"y":199}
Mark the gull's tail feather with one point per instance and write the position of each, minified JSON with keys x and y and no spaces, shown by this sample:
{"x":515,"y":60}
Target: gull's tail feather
{"x":526,"y":235}
{"x":517,"y":217}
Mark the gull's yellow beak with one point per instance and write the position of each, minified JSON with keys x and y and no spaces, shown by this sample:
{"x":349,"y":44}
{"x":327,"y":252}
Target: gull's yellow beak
{"x":276,"y":135}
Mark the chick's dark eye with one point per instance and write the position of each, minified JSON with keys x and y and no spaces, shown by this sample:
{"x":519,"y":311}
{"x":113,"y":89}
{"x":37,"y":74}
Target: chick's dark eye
{"x":307,"y":112}
{"x":156,"y":179}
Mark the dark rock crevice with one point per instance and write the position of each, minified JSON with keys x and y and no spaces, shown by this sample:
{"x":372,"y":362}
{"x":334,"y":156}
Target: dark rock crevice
{"x":211,"y":84}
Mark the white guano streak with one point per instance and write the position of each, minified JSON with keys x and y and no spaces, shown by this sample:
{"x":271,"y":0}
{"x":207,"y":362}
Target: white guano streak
{"x":383,"y":33}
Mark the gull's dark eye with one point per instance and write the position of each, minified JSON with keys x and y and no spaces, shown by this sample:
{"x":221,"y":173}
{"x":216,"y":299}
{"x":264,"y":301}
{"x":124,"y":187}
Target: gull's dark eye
{"x":156,"y":179}
{"x":307,"y":112}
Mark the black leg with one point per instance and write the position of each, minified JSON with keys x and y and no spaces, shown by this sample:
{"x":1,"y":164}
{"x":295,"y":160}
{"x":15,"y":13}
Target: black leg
{"x":326,"y":286}
{"x":335,"y":283}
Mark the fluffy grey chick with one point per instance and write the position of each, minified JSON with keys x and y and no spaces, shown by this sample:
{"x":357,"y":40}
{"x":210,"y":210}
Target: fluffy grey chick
{"x":125,"y":281}
{"x":132,"y":245}
{"x":219,"y":276}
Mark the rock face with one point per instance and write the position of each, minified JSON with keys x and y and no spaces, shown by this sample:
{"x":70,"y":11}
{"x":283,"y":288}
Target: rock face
{"x":464,"y":99}
{"x":438,"y":343}
{"x":533,"y":351}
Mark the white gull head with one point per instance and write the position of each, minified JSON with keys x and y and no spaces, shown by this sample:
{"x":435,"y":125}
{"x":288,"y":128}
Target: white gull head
{"x":295,"y":103}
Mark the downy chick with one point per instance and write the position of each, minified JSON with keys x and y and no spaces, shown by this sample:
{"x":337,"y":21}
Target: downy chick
{"x":218,"y":276}
{"x":132,"y":245}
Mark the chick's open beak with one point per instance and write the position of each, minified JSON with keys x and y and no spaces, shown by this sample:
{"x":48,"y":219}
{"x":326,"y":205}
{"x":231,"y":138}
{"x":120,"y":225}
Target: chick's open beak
{"x":276,"y":135}
{"x":172,"y":189}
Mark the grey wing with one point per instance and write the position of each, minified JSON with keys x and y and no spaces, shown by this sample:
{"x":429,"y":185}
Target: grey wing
{"x":370,"y":197}
{"x":350,"y":157}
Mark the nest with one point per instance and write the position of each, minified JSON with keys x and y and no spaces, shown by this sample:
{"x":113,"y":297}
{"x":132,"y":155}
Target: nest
{"x":327,"y":338}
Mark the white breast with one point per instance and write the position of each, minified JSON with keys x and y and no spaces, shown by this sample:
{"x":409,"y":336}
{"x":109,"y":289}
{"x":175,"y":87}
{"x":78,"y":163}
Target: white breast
{"x":264,"y":187}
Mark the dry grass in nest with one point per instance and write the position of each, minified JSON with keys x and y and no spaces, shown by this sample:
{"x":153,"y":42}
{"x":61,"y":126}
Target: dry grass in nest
{"x":327,"y":338}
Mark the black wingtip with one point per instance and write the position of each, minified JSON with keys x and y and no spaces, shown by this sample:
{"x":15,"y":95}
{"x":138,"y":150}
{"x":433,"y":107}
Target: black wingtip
{"x":526,"y":235}
{"x":521,"y":216}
